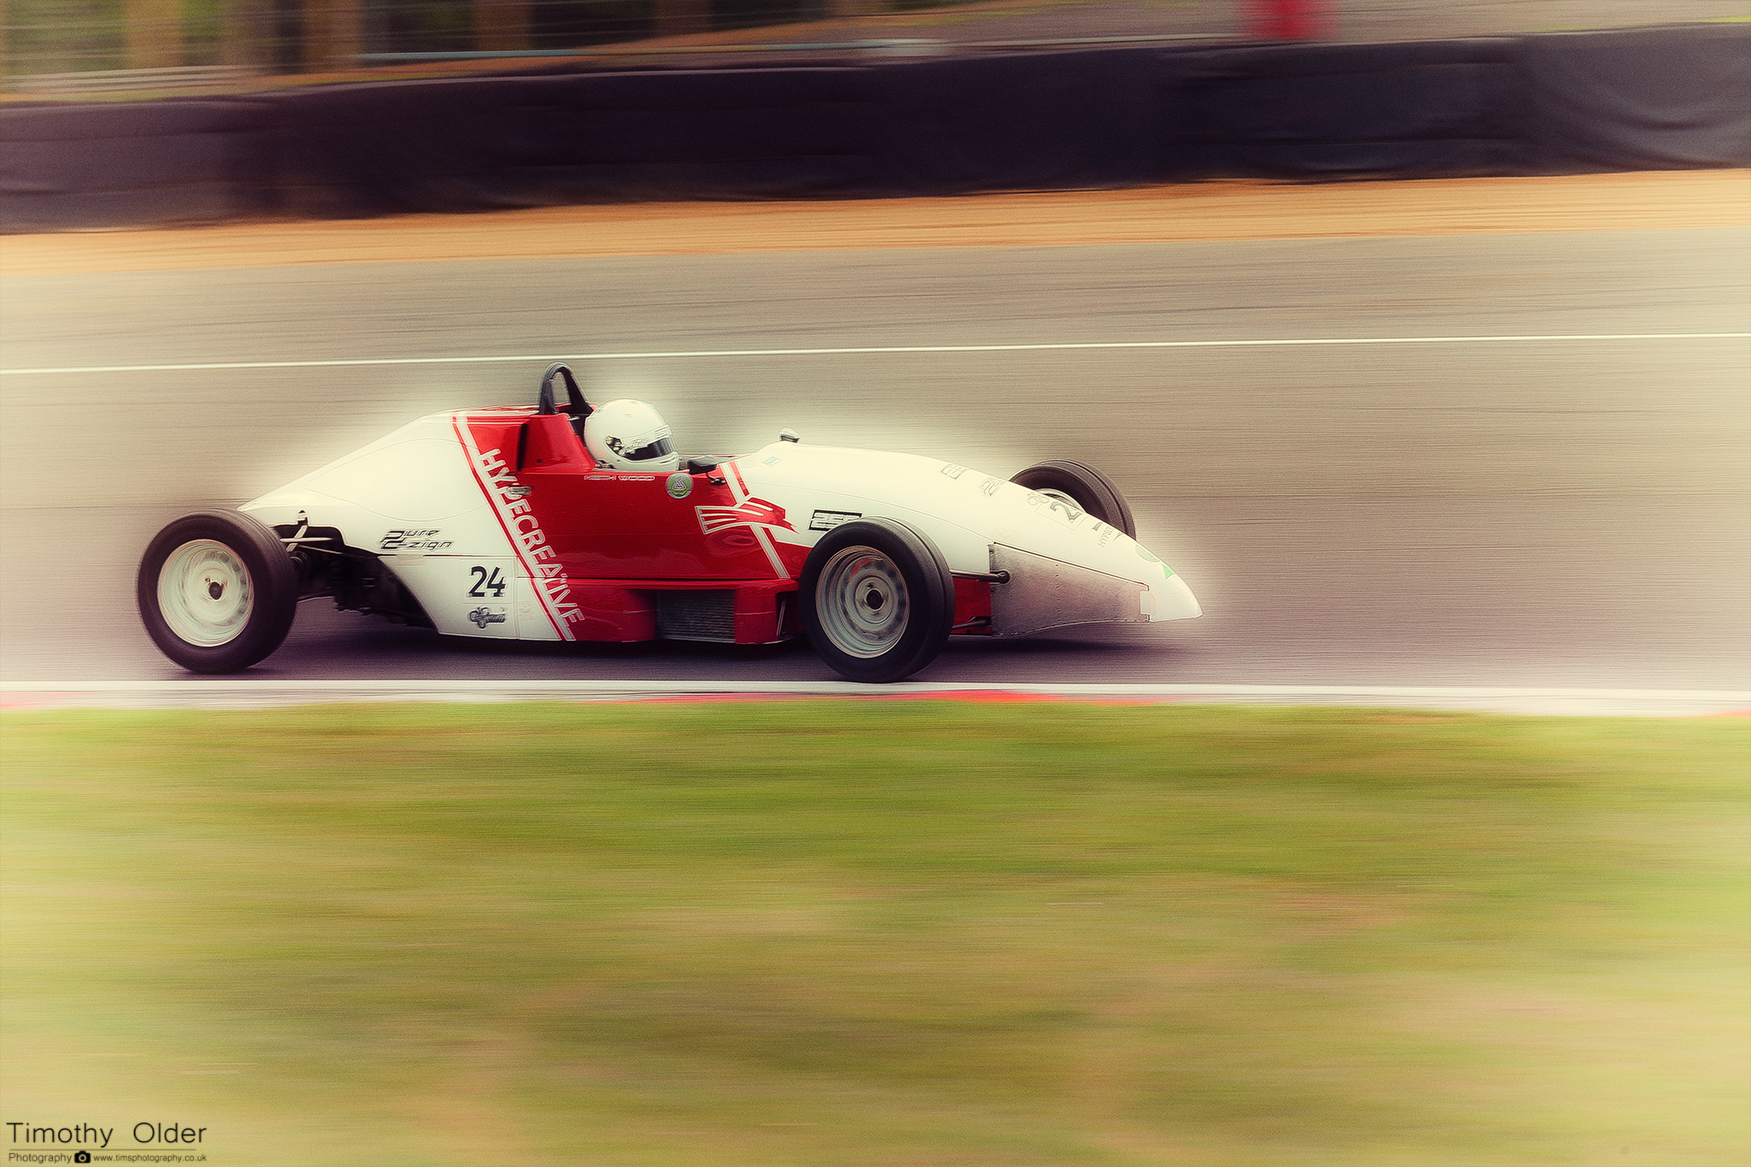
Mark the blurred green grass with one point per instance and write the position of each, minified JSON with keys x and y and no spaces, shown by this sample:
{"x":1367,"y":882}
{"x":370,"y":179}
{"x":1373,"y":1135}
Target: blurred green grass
{"x":915,"y":934}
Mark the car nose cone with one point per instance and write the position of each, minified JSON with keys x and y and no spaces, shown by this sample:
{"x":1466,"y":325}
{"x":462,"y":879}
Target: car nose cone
{"x":1174,"y":600}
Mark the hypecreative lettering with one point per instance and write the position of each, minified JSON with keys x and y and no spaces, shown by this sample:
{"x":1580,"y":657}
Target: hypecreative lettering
{"x":519,"y":519}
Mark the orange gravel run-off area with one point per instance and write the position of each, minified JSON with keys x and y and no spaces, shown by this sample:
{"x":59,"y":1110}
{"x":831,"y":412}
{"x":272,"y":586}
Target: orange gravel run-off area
{"x":1210,"y":211}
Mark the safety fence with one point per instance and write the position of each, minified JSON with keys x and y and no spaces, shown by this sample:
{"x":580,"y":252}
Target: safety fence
{"x":1643,"y":99}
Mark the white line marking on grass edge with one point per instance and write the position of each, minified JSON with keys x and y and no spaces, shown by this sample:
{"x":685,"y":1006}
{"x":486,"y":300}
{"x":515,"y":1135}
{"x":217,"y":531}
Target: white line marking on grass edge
{"x":266,"y":692}
{"x":873,"y":350}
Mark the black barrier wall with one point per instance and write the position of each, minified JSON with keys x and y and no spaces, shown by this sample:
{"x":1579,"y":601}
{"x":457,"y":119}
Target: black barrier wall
{"x":112,"y":165}
{"x":1660,"y":98}
{"x":1413,"y":110}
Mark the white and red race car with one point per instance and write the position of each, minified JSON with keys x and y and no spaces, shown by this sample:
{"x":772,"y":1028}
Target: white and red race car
{"x":498,"y":523}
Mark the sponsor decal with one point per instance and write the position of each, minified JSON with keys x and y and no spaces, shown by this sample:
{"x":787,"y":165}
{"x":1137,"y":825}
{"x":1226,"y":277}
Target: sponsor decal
{"x":1108,"y":534}
{"x":410,"y":540}
{"x":484,"y":616}
{"x":827,"y":520}
{"x":548,"y":576}
{"x":680,"y":484}
{"x":753,"y":512}
{"x":950,"y":470}
{"x":989,"y":487}
{"x":1143,"y":553}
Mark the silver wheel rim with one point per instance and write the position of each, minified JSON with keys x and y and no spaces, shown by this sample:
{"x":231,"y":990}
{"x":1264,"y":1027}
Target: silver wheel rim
{"x":205,"y":594}
{"x":862,"y":602}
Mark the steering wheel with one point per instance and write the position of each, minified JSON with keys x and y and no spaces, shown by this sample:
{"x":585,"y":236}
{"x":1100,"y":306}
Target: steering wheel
{"x":576,"y":405}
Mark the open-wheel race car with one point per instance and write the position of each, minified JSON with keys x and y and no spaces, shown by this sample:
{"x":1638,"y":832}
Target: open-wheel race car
{"x":567,"y":522}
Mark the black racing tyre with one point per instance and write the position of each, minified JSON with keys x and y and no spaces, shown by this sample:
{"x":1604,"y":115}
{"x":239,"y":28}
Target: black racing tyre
{"x":1083,"y":485}
{"x":877,"y":600}
{"x":217,"y":591}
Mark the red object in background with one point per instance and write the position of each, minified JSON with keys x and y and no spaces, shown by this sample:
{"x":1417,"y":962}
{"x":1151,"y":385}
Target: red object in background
{"x":1287,"y":20}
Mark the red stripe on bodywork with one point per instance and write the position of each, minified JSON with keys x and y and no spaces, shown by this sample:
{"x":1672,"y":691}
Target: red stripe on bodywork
{"x":741,"y":487}
{"x":743,"y":494}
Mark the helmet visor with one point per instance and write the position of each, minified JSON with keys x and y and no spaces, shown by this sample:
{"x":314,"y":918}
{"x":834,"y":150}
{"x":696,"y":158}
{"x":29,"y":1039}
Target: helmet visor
{"x":656,"y":449}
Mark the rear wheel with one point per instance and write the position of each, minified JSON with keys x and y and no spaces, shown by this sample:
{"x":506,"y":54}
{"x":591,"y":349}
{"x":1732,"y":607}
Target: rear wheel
{"x":1086,"y":487}
{"x":877,"y":600}
{"x":217,"y":591}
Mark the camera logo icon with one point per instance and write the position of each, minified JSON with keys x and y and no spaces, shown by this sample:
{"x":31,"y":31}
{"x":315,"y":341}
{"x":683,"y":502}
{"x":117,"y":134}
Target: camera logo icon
{"x":81,"y":1156}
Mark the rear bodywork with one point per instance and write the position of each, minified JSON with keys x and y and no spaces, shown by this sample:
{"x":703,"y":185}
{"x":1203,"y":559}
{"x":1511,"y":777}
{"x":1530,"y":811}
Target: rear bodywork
{"x":498,"y":523}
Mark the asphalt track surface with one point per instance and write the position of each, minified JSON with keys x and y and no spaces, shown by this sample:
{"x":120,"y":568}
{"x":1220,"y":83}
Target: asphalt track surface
{"x":1419,"y":508}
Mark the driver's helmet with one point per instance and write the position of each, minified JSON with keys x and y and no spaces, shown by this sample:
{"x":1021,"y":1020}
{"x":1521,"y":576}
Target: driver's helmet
{"x":630,"y":435}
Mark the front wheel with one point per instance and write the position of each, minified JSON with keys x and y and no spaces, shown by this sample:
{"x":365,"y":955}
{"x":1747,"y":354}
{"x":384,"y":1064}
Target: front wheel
{"x":217,"y":591}
{"x":877,"y":600}
{"x":1084,"y":486}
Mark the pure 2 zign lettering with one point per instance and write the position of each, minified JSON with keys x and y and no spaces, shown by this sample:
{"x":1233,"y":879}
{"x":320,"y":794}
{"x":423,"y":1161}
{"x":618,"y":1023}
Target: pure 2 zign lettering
{"x":408,"y":540}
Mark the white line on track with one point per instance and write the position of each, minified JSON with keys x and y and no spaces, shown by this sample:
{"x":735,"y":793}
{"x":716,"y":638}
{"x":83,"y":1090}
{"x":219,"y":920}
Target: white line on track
{"x":876,"y":350}
{"x":239,"y":693}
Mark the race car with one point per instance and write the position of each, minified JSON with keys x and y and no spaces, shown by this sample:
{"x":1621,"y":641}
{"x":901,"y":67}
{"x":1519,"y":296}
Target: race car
{"x":569,"y":522}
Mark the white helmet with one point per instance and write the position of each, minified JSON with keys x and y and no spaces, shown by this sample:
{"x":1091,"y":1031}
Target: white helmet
{"x":630,"y":435}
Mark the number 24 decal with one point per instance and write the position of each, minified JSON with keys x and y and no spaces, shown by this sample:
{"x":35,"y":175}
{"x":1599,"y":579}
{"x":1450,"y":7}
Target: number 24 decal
{"x":485,"y":584}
